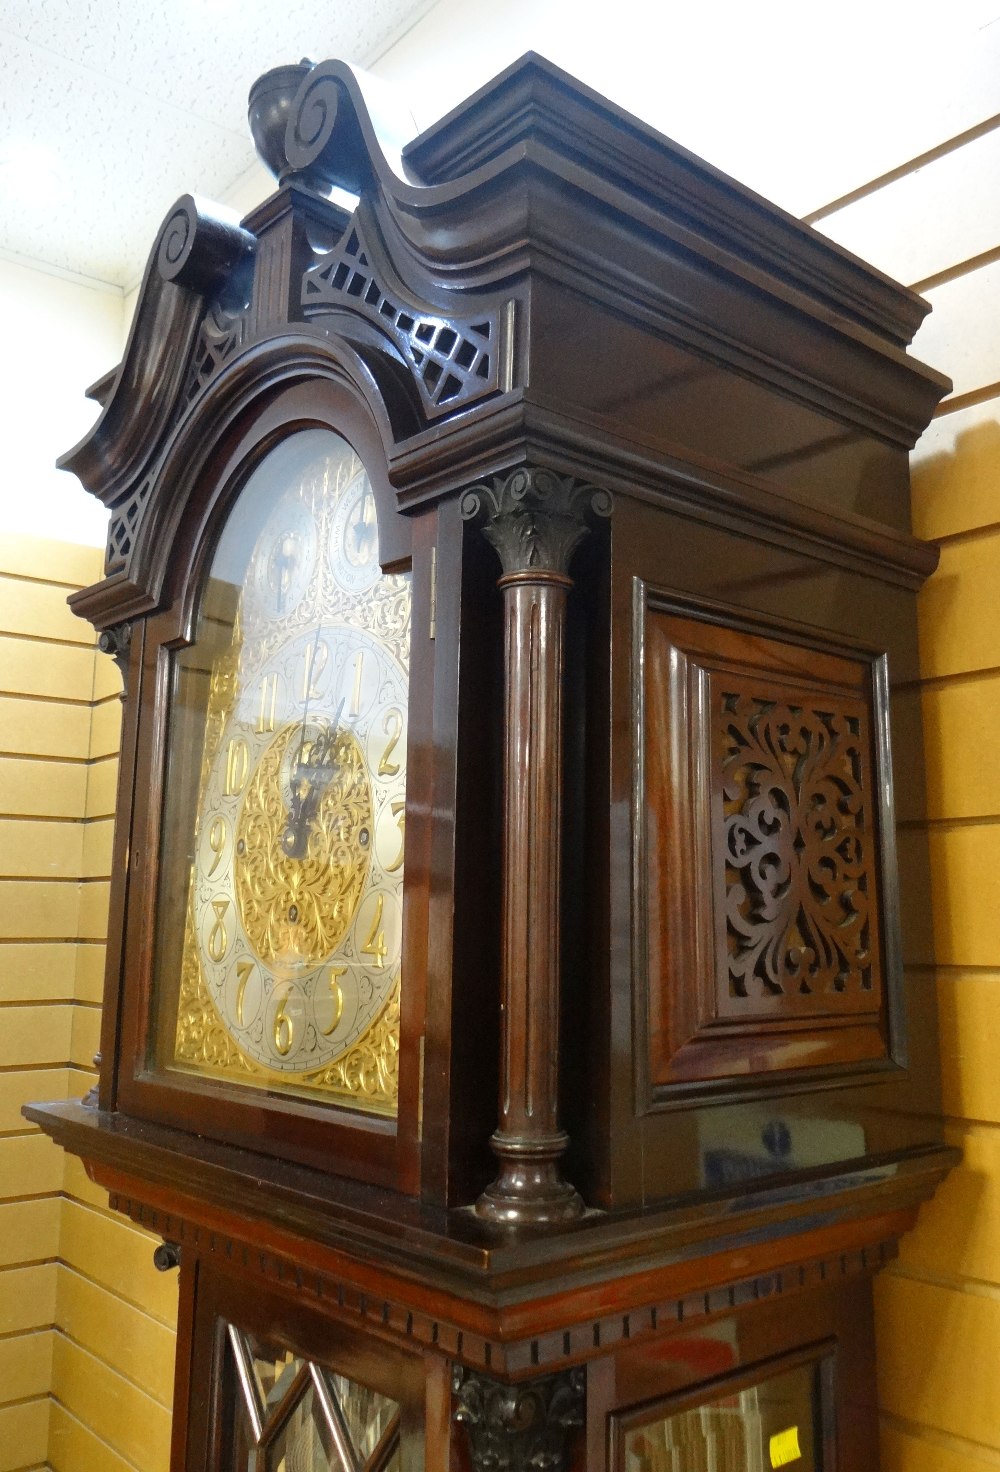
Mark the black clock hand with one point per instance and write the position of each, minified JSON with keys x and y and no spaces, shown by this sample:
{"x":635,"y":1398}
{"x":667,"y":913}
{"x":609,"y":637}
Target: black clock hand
{"x":363,"y":529}
{"x":309,"y":781}
{"x":307,"y":693}
{"x":287,"y":555}
{"x":293,"y":838}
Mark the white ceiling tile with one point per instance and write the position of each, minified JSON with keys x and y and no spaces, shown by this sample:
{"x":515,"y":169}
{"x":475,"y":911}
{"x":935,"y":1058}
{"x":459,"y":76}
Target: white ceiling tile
{"x":107,"y":164}
{"x":111,"y":109}
{"x":203,"y":55}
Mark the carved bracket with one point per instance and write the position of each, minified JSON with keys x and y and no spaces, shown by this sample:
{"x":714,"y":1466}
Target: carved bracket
{"x":519,"y":1428}
{"x":200,"y":245}
{"x":117,"y":642}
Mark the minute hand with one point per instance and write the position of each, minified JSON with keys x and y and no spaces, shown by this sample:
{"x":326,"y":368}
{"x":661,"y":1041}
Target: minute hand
{"x":310,"y":780}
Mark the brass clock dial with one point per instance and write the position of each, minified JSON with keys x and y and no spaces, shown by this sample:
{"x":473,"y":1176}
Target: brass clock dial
{"x":354,"y":536}
{"x":283,"y":563}
{"x":298,"y":876}
{"x":293,"y":939}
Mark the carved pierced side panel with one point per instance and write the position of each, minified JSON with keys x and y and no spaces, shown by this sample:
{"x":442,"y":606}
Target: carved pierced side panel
{"x":766,"y":869}
{"x":452,"y":362}
{"x":124,"y":525}
{"x":220,"y":337}
{"x":794,"y":867}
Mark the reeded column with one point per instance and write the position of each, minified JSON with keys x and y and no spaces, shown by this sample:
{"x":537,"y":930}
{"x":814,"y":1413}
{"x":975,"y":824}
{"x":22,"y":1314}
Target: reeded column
{"x":535,"y":520}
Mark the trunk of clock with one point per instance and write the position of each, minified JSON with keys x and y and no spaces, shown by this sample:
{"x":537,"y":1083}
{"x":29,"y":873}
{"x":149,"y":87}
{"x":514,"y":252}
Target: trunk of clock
{"x":781,"y":1383}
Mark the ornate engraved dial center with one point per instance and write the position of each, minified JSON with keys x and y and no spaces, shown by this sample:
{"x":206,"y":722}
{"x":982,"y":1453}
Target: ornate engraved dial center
{"x":296,"y":907}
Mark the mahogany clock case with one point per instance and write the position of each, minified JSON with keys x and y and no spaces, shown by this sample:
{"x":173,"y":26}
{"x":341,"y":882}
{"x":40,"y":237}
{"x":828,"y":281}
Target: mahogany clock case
{"x":667,"y":1095}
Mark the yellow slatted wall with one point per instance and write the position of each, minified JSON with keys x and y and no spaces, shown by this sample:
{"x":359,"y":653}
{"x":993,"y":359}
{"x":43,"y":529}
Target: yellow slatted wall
{"x":938,"y":226}
{"x":86,"y":1323}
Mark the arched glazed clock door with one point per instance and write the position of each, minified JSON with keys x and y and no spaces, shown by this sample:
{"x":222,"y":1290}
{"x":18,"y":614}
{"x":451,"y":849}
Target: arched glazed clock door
{"x":269,"y":926}
{"x":285,"y":797}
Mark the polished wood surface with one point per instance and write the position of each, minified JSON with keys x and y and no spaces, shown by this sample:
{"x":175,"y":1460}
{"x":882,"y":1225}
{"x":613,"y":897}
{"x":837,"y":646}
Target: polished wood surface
{"x":528,"y":1141}
{"x":773,"y":789}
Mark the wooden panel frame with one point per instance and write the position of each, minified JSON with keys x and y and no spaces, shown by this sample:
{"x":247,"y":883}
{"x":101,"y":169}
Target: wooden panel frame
{"x":822,"y":1356}
{"x":693,"y":1042}
{"x":204,"y":1395}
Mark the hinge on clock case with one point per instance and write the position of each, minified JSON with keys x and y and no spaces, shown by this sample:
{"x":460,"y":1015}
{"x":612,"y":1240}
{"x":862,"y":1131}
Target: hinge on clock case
{"x":432,"y":630}
{"x":420,"y":1086}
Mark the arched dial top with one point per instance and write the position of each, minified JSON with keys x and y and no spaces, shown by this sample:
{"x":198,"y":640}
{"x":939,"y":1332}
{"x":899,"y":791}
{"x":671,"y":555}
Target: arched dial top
{"x":285,"y":809}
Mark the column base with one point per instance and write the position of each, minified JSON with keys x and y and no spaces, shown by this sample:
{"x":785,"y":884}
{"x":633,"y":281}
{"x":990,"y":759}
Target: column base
{"x":529,"y":1191}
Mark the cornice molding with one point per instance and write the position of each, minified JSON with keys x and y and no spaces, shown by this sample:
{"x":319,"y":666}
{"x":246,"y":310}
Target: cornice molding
{"x":582,"y":198}
{"x":516,"y":428}
{"x":386,"y":1308}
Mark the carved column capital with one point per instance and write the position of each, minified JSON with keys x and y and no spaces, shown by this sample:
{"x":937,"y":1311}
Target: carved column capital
{"x":519,"y":1428}
{"x":117,"y":642}
{"x":534,"y":518}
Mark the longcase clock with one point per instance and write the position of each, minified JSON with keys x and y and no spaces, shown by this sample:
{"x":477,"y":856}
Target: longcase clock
{"x":506,"y":1025}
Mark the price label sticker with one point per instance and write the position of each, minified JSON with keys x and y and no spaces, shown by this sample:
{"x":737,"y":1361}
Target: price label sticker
{"x":784,"y":1447}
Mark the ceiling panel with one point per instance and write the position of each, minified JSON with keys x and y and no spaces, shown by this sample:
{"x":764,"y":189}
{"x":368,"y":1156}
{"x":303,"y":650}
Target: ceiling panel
{"x":73,"y":191}
{"x":111,"y":109}
{"x":202,"y":55}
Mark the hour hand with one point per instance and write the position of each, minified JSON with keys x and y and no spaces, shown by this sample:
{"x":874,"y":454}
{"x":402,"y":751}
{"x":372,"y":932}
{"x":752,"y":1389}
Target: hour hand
{"x":310,"y":779}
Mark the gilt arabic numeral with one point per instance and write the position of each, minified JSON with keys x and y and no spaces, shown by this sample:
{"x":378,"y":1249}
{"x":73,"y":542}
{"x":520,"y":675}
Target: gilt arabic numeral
{"x":237,"y":766}
{"x":244,"y":971}
{"x":218,"y":939}
{"x":375,"y":945}
{"x":392,"y":725}
{"x":216,"y":843}
{"x":399,"y":813}
{"x":268,"y":698}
